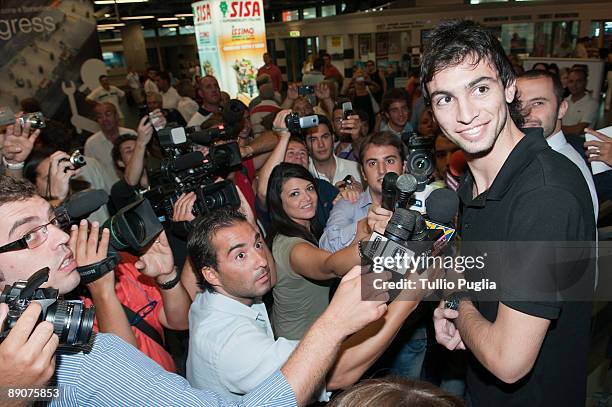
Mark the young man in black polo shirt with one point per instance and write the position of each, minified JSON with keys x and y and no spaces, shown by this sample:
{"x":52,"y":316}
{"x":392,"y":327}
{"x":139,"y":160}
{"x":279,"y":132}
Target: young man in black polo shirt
{"x":523,"y":352}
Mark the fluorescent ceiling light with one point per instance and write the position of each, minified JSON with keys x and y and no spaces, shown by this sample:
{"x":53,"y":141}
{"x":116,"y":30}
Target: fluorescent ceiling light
{"x":137,"y":17}
{"x":111,"y":25}
{"x":183,"y":15}
{"x":107,"y":15}
{"x":167,"y":19}
{"x":170,"y":25}
{"x":119,"y":1}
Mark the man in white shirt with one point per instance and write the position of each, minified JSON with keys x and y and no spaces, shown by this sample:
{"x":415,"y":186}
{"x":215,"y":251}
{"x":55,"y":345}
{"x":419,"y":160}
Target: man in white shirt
{"x":323,"y":163}
{"x":582,"y":108}
{"x":211,"y":100}
{"x":542,"y":103}
{"x":231,"y":344}
{"x":107,"y":93}
{"x":100,"y":144}
{"x":170,"y":97}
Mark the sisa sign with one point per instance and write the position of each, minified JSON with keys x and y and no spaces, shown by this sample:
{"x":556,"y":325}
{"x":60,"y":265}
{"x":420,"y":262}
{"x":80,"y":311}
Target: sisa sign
{"x":241,"y":9}
{"x":231,"y":38}
{"x":202,"y":13}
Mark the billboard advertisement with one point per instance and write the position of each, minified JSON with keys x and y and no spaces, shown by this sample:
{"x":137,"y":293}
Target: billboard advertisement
{"x":231,"y":39}
{"x":50,"y":52}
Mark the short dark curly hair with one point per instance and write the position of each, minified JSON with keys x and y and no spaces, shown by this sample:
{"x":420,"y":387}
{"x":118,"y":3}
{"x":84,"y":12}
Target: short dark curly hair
{"x":12,"y":190}
{"x":454,"y":41}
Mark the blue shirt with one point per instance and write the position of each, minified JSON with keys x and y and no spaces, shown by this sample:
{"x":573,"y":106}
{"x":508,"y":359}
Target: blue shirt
{"x":341,"y":226}
{"x":114,"y":373}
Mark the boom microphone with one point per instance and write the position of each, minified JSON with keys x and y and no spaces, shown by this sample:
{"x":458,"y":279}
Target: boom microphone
{"x":82,"y":204}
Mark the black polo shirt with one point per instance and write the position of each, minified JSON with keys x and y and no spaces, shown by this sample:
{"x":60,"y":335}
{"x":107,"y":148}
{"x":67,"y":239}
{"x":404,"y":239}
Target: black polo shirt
{"x":538,"y":195}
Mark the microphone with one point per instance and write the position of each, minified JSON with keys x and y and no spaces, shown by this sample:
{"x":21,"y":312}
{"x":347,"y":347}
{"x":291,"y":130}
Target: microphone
{"x":187,"y":161}
{"x":457,"y":164}
{"x":406,"y":185}
{"x":82,"y":204}
{"x":389,"y":191}
{"x":442,"y":205}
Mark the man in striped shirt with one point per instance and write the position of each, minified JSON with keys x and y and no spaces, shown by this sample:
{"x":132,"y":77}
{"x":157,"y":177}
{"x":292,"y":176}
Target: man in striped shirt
{"x":108,"y":371}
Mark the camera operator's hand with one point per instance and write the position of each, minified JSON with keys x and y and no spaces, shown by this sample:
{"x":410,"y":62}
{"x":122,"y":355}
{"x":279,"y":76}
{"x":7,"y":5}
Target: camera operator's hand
{"x":19,"y":142}
{"x":60,"y":172}
{"x":27,"y":354}
{"x":378,"y":217}
{"x":292,"y":91}
{"x":356,"y":303}
{"x":89,"y":247}
{"x":158,"y":262}
{"x":279,"y":122}
{"x":447,"y":333}
{"x":145,"y":131}
{"x":182,"y":209}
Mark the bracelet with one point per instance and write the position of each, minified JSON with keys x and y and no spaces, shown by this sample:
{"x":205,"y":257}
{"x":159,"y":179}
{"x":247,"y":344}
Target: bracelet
{"x":280,"y":129}
{"x":13,"y":166}
{"x":168,"y":285}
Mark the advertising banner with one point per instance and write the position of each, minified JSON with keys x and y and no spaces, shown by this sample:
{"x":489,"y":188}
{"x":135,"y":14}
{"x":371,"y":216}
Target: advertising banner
{"x":231,"y":39}
{"x":50,"y":52}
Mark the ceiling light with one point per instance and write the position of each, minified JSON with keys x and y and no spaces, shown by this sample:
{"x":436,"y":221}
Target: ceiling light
{"x":137,"y":17}
{"x":113,"y":25}
{"x":119,"y":1}
{"x":170,"y":25}
{"x":107,"y":15}
{"x":183,"y":15}
{"x":167,"y":19}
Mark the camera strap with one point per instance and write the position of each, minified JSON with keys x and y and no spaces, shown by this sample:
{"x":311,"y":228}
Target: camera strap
{"x":143,"y":325}
{"x":92,"y":272}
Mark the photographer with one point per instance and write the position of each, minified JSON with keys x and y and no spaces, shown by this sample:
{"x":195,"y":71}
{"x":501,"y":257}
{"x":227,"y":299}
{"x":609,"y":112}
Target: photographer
{"x":16,"y":144}
{"x":114,"y":373}
{"x":155,"y":105}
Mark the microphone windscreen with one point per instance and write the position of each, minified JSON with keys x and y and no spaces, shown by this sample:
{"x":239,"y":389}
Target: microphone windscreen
{"x":189,"y":160}
{"x":406,"y":184}
{"x":84,"y":203}
{"x":442,"y":205}
{"x":457,"y":164}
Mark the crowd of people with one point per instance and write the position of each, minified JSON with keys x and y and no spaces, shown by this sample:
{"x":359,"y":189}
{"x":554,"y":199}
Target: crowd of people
{"x":271,"y":290}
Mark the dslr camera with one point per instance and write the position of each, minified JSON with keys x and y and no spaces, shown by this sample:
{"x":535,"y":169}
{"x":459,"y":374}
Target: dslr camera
{"x":72,"y":321}
{"x":420,"y":158}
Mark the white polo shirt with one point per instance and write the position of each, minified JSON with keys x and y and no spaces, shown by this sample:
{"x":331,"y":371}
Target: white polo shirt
{"x":582,"y":111}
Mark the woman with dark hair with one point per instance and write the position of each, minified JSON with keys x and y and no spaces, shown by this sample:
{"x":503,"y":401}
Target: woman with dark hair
{"x":303,"y":270}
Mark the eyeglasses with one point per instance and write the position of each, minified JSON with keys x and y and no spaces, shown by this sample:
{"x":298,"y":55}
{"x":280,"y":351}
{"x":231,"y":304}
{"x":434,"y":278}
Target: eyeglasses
{"x":38,"y":235}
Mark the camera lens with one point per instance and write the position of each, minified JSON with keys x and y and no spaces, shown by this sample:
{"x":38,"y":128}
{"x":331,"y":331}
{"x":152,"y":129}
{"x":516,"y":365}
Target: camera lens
{"x":72,"y":321}
{"x":136,"y":225}
{"x":420,"y":164}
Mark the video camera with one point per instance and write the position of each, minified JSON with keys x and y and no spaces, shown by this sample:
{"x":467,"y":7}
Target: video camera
{"x":421,"y":158}
{"x":184,"y":170}
{"x":408,"y":233}
{"x":72,"y":321}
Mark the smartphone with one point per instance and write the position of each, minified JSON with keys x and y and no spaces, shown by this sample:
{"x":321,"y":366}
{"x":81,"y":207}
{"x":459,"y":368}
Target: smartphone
{"x":347,"y":110}
{"x":306,"y":90}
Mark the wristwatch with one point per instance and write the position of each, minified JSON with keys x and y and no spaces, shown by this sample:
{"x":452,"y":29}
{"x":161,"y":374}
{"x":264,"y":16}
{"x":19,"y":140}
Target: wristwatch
{"x":13,"y":166}
{"x":452,"y":301}
{"x":168,"y":285}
